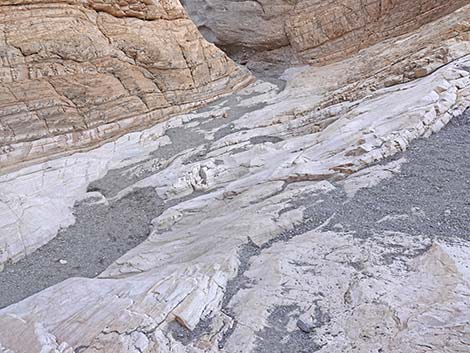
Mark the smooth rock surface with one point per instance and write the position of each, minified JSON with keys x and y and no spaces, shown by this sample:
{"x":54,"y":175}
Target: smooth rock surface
{"x":280,"y":222}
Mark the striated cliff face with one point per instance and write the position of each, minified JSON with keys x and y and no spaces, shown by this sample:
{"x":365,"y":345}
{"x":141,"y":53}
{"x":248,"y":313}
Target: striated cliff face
{"x":322,"y":31}
{"x":316,"y":31}
{"x":74,"y":74}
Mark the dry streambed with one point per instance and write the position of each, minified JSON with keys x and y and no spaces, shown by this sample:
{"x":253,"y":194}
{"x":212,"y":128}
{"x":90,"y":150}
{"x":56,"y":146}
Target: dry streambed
{"x":243,"y":227}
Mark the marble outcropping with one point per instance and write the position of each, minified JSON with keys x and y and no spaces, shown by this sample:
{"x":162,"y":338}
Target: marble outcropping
{"x":237,"y":257}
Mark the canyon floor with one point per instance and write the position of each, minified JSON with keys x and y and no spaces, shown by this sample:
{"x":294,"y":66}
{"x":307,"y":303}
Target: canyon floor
{"x":427,"y":196}
{"x":216,"y":176}
{"x":247,"y":226}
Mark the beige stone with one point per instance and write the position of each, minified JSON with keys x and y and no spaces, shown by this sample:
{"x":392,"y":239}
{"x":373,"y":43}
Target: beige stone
{"x":259,"y":152}
{"x":316,"y":31}
{"x":74,"y":74}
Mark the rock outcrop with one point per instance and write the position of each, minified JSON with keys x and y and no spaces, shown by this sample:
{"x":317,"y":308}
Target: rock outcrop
{"x":315,"y":31}
{"x":243,"y":255}
{"x":322,"y":31}
{"x":255,"y":224}
{"x":74,"y":74}
{"x":241,"y":258}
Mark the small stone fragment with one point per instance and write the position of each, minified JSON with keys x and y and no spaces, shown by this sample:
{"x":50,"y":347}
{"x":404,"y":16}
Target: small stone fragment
{"x":418,"y":213}
{"x":338,"y":227}
{"x":305,"y":325}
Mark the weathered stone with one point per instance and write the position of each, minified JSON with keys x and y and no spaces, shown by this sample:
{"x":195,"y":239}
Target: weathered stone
{"x":246,"y":254}
{"x":316,"y":31}
{"x":74,"y":74}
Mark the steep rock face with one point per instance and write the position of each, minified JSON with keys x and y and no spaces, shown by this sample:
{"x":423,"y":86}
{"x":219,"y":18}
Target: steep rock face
{"x":76,"y":73}
{"x":317,"y":31}
{"x":321,"y":31}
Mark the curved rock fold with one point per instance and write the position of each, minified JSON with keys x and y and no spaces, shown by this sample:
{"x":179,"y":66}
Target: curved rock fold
{"x":296,"y":213}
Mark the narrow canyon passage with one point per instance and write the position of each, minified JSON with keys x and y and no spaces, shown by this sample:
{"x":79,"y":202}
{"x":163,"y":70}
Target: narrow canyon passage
{"x":304,"y":189}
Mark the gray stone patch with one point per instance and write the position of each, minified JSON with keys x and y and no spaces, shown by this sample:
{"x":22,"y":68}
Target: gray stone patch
{"x":276,"y":338}
{"x":185,"y":336}
{"x":118,"y":179}
{"x":264,"y":139}
{"x":433,"y":188}
{"x":101,"y":234}
{"x":313,"y":319}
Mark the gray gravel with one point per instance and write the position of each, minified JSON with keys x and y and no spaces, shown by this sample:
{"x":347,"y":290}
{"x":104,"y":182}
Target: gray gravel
{"x":276,"y":339}
{"x":100,"y":235}
{"x":433,"y":191}
{"x":434,"y":180}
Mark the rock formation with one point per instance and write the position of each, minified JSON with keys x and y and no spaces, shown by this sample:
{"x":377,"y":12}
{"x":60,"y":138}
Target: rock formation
{"x":315,"y":31}
{"x":323,"y":31}
{"x":75,"y":74}
{"x":272,"y":220}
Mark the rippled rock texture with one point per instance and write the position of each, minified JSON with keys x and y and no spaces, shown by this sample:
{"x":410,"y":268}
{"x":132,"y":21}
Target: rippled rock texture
{"x":315,"y":31}
{"x":289,"y":216}
{"x":74,"y":74}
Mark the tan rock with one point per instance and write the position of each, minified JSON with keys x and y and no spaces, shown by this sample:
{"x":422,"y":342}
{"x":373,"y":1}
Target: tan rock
{"x":77,"y":73}
{"x":317,"y":31}
{"x":324,"y":31}
{"x":231,"y":194}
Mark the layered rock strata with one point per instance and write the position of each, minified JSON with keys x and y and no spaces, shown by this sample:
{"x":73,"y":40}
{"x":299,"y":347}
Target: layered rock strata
{"x":74,"y":74}
{"x":251,"y":251}
{"x":323,"y":31}
{"x":233,"y":234}
{"x":315,"y":31}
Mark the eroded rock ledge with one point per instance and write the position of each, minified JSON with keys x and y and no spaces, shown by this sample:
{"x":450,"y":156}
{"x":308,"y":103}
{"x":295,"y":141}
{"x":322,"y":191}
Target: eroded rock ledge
{"x":74,"y":74}
{"x":258,"y":240}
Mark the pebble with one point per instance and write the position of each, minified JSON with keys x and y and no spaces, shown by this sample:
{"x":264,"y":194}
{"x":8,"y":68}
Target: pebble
{"x":418,"y":213}
{"x":338,"y":227}
{"x":305,"y":325}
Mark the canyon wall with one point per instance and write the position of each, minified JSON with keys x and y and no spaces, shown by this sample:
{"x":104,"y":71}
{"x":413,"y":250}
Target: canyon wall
{"x":305,"y":212}
{"x":77,"y":73}
{"x":321,"y":31}
{"x":74,"y":74}
{"x":316,"y":31}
